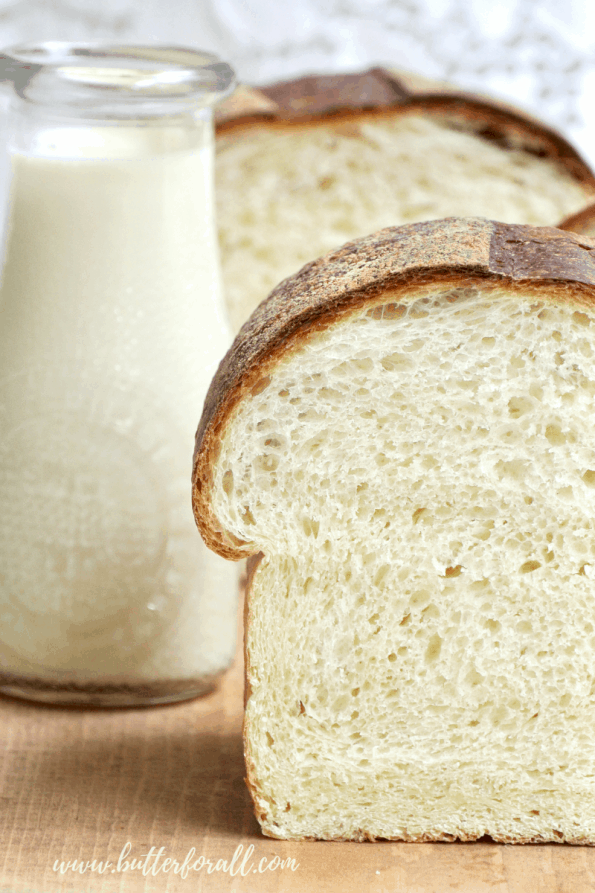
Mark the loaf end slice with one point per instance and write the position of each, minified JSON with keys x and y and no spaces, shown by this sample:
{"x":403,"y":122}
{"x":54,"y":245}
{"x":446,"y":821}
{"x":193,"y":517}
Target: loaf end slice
{"x":405,"y":431}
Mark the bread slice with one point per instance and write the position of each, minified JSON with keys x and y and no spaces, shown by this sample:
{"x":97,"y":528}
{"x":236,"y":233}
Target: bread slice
{"x":306,"y":165}
{"x":405,"y":431}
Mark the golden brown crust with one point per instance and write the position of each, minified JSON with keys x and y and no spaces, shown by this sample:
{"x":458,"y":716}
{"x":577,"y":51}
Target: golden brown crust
{"x":243,"y":102}
{"x":582,"y":223}
{"x":555,"y":265}
{"x":382,"y":91}
{"x":251,"y":568}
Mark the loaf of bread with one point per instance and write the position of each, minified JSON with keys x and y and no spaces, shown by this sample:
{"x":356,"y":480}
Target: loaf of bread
{"x":304,"y":166}
{"x":404,"y":433}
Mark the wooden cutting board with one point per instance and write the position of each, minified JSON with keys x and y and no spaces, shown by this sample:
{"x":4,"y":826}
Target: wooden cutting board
{"x":135,"y":788}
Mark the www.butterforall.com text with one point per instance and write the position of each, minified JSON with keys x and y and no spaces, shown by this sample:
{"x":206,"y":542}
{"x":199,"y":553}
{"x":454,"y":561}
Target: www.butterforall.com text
{"x":156,"y":862}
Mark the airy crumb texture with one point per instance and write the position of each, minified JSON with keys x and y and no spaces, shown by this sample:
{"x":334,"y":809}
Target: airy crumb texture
{"x":286,"y":195}
{"x":420,"y":645}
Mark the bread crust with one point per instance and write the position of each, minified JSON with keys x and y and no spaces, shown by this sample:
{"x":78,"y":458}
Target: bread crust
{"x":583,"y":222}
{"x":557,"y":266}
{"x":383,"y":92}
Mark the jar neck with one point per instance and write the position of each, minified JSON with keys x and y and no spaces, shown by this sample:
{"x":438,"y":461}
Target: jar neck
{"x":108,"y":83}
{"x":40,"y":131}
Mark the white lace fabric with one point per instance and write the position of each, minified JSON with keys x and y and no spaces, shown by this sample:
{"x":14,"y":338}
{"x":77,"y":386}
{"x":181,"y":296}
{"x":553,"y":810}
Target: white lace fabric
{"x":535,"y":53}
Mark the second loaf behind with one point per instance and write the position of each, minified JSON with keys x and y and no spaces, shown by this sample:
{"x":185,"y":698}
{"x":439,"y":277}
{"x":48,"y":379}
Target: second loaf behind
{"x":306,"y":165}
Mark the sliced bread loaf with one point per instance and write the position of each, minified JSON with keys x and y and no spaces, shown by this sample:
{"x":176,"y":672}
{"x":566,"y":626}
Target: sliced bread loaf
{"x":306,"y":165}
{"x":405,"y":431}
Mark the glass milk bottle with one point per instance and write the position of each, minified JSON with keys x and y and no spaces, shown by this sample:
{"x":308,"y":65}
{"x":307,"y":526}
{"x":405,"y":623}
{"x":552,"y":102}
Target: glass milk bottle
{"x":111,"y":327}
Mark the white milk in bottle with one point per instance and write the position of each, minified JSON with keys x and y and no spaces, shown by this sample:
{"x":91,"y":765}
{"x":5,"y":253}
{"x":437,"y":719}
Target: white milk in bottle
{"x":111,"y":327}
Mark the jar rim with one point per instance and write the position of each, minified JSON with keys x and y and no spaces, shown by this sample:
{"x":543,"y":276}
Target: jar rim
{"x":100,"y":74}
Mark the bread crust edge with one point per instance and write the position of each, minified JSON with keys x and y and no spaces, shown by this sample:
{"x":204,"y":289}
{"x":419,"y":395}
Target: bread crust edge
{"x":583,"y":222}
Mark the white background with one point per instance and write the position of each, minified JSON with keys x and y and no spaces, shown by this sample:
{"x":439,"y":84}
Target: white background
{"x":538,"y":53}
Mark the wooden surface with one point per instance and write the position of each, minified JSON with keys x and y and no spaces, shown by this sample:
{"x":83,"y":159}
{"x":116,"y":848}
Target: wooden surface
{"x":78,"y":784}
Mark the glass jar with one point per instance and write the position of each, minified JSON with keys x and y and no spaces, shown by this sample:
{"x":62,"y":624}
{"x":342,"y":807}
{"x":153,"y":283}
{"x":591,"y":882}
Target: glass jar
{"x":111,"y":327}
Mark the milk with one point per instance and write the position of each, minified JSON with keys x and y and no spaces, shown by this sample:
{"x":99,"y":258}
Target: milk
{"x":111,"y":327}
